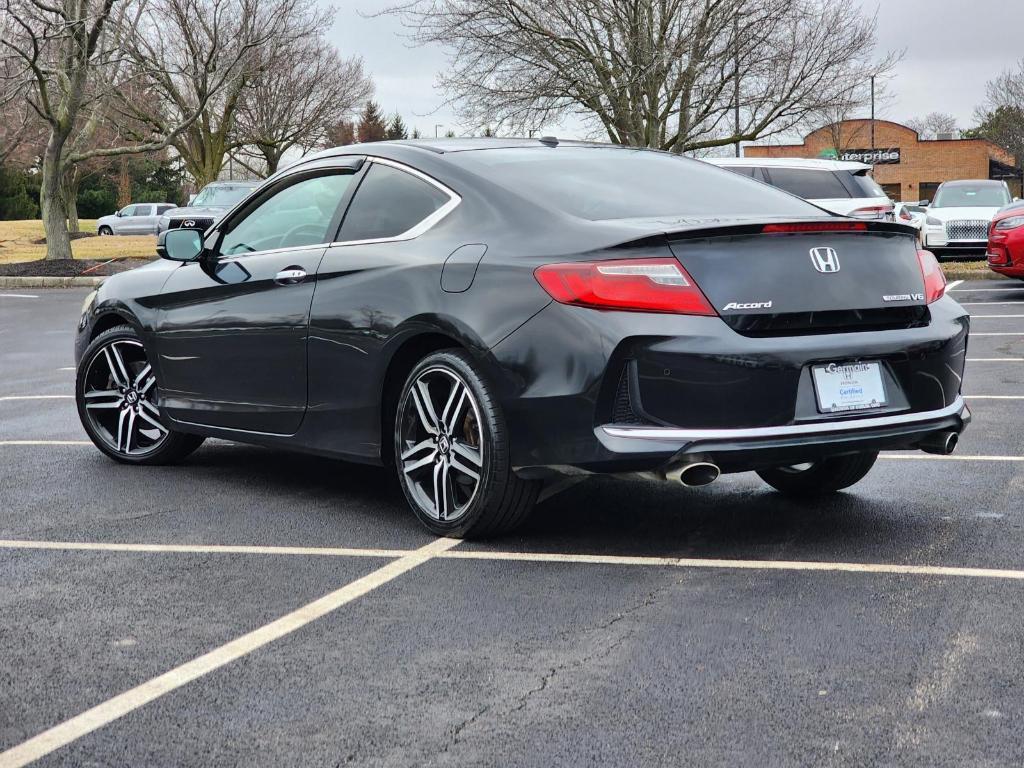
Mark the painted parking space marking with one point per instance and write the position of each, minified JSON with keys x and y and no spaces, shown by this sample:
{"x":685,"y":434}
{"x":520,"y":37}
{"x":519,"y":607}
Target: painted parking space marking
{"x":951,"y":457}
{"x":443,"y":550}
{"x":201,"y":549}
{"x":18,"y":296}
{"x":92,"y":719}
{"x":989,"y":303}
{"x":994,"y":397}
{"x":44,"y":442}
{"x":989,"y":317}
{"x":985,"y":290}
{"x":952,"y":285}
{"x":995,"y":359}
{"x":997,"y":333}
{"x":36,"y":397}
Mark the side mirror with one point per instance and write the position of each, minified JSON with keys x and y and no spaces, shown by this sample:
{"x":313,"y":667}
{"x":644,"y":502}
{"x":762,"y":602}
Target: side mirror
{"x":119,"y":214}
{"x":180,"y":244}
{"x":191,"y":198}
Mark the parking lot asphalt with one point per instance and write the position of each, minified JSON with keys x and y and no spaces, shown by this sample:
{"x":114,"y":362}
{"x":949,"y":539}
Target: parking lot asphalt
{"x":251,"y":607}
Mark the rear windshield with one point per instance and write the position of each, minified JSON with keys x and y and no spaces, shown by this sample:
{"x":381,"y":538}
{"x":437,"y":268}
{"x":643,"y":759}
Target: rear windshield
{"x":222,"y":195}
{"x":868,"y":187}
{"x":599,"y":183}
{"x":807,"y":183}
{"x":968,"y":196}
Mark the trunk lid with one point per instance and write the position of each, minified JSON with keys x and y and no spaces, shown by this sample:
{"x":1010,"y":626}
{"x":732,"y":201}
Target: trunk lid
{"x":807,"y":282}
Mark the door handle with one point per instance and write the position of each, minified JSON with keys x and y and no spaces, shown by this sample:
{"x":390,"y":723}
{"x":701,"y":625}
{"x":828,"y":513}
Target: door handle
{"x":290,"y":276}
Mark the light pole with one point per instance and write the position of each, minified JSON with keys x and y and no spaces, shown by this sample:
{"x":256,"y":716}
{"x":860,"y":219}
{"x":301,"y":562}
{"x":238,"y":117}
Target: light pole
{"x":872,"y":111}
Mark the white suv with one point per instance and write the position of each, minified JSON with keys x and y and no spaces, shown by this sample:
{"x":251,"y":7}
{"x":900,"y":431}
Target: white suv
{"x":959,"y":216}
{"x":839,"y":186}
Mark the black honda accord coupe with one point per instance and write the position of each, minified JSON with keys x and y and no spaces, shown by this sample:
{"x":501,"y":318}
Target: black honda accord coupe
{"x":491,"y":316}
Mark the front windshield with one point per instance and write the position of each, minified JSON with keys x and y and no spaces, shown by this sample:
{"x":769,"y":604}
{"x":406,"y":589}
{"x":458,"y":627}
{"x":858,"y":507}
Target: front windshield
{"x":971,"y":196}
{"x":221,"y":196}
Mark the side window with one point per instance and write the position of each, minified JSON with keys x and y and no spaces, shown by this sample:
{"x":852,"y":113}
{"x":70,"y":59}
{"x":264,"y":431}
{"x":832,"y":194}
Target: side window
{"x":142,"y":210}
{"x":740,"y":169}
{"x":388,"y":203}
{"x":297,"y":215}
{"x":162,"y":209}
{"x":808,"y":184}
{"x":129,"y":210}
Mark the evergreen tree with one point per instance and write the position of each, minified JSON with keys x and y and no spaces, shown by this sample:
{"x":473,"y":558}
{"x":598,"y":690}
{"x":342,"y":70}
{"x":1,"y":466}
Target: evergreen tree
{"x":371,"y":124}
{"x":489,"y":132}
{"x":341,"y":133}
{"x":396,"y":128}
{"x":416,"y":133}
{"x":449,"y":134}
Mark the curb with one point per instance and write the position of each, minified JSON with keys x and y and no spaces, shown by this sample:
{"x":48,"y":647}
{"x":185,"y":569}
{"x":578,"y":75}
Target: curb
{"x":50,"y":282}
{"x":954,"y":274}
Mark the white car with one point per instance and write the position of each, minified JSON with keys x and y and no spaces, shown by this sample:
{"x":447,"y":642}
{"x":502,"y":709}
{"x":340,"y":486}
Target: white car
{"x":839,"y":186}
{"x":958,"y":217}
{"x":911,"y":214}
{"x":135,"y":219}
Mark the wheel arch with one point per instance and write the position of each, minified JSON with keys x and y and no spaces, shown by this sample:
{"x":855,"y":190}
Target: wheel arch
{"x":400,"y":364}
{"x":111,"y":318}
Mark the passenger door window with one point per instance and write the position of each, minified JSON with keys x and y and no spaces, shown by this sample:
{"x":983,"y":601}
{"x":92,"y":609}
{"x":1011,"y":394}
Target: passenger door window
{"x":388,"y":203}
{"x":296,"y":216}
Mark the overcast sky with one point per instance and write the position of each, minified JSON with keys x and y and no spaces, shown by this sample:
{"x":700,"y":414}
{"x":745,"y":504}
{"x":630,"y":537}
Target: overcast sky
{"x":952,"y":48}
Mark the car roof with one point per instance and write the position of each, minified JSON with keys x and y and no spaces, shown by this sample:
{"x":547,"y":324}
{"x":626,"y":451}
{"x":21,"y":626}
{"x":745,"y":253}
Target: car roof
{"x":810,"y":163}
{"x":234,"y":183}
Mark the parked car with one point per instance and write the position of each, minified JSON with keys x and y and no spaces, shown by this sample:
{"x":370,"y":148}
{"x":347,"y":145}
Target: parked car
{"x":911,"y":215}
{"x":134,"y":219}
{"x":489,"y":315}
{"x":1006,"y":241}
{"x":959,"y":216}
{"x":206,"y":208}
{"x":839,"y":186}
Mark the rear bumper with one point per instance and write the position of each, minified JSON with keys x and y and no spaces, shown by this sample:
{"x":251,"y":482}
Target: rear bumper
{"x":631,"y":392}
{"x":736,"y":450}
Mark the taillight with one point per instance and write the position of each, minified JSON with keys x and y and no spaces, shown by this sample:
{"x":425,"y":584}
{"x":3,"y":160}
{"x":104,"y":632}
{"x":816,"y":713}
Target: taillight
{"x":636,"y":285}
{"x":873,"y":211}
{"x":934,"y":279}
{"x":817,"y":226}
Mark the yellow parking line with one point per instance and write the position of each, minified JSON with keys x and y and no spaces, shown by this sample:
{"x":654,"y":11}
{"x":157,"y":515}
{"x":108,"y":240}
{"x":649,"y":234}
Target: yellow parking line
{"x":92,"y":719}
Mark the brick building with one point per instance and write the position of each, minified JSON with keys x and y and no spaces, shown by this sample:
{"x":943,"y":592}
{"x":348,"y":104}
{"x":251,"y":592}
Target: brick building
{"x":908,"y":168}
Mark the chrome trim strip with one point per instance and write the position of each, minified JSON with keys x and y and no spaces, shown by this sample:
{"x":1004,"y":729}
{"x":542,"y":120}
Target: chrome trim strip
{"x":790,"y":430}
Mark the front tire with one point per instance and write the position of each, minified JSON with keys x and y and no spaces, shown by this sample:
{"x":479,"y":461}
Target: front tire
{"x":452,"y":451}
{"x":119,"y":402}
{"x":820,"y":477}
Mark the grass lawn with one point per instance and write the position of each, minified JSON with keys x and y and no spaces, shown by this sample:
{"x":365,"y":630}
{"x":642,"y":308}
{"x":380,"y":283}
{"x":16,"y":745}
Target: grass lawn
{"x":17,"y":243}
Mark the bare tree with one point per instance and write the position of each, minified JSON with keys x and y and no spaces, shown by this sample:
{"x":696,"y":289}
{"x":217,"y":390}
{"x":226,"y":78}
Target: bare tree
{"x":297,"y":98}
{"x":200,"y":57}
{"x":933,"y":124}
{"x":74,"y":53}
{"x":656,"y":73}
{"x":1001,"y":116}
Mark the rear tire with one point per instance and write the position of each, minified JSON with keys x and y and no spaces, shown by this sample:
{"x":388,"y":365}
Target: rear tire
{"x":820,"y":477}
{"x":452,"y":451}
{"x":105,"y":231}
{"x":118,"y":401}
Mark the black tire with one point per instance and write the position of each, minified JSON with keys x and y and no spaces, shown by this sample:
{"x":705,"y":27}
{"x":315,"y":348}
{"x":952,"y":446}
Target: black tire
{"x":821,"y":477}
{"x":105,"y":231}
{"x":100,"y":393}
{"x":500,"y":501}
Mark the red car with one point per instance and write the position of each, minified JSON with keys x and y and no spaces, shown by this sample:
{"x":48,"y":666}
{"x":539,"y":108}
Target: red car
{"x":1006,"y":241}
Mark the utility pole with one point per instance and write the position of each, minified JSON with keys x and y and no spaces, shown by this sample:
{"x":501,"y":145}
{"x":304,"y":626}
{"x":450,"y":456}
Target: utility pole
{"x":872,"y":111}
{"x":736,"y":81}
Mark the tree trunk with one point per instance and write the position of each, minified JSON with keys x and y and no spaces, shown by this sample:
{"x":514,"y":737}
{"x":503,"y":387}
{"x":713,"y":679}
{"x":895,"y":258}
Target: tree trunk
{"x":71,"y":184}
{"x":51,"y":200}
{"x":124,"y":185}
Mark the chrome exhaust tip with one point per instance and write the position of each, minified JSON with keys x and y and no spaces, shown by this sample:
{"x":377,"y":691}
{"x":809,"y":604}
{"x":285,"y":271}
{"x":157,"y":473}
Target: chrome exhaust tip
{"x":696,"y":474}
{"x":941,"y":443}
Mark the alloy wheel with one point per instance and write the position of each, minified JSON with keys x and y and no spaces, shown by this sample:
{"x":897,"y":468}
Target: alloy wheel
{"x":121,"y":399}
{"x":441,"y":451}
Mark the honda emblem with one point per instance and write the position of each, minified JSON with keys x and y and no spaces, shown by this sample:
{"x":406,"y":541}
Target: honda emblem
{"x":825,"y":259}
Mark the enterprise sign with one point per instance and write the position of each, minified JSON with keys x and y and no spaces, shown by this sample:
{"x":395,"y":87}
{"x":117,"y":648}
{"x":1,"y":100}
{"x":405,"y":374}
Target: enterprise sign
{"x":878,"y":156}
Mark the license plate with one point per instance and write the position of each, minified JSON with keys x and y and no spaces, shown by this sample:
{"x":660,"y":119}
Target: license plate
{"x":849,"y":387}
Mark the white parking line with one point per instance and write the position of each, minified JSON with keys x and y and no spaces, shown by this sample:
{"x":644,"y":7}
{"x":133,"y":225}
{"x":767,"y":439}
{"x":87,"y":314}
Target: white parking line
{"x":995,"y":359}
{"x":45,"y":442}
{"x":985,"y":290}
{"x":201,"y":549}
{"x":444,"y":551}
{"x":37,"y":397}
{"x":953,"y":285}
{"x":71,"y":730}
{"x":952,"y":457}
{"x":997,"y":333}
{"x":17,"y":296}
{"x":988,"y":303}
{"x":994,"y":397}
{"x":980,"y":317}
